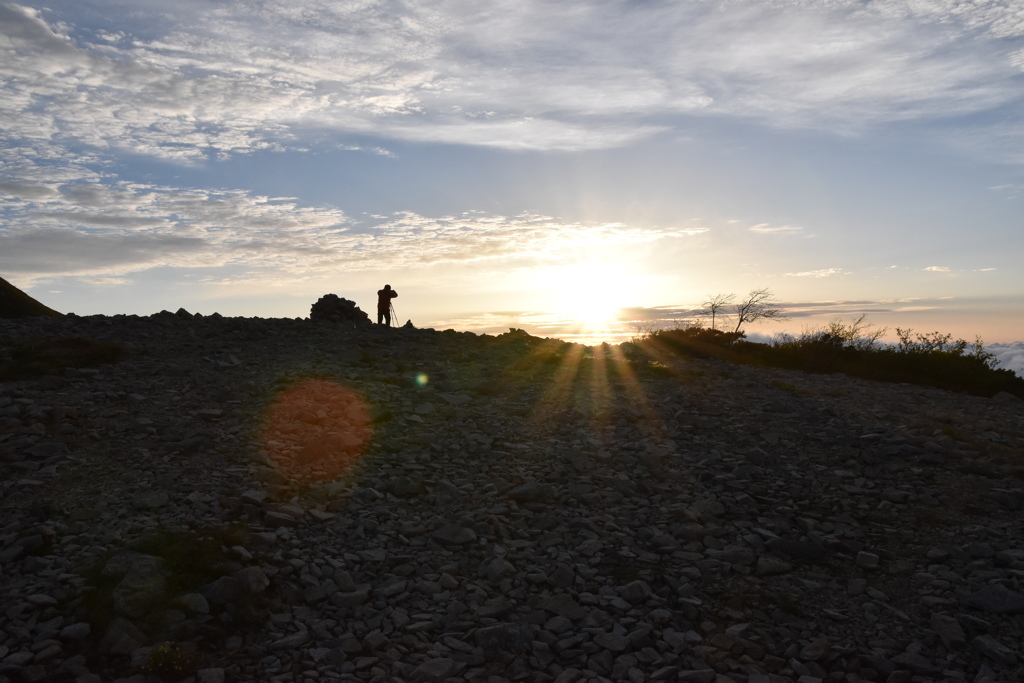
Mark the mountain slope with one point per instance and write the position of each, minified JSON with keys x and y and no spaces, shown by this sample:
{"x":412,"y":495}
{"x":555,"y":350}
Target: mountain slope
{"x":15,"y":303}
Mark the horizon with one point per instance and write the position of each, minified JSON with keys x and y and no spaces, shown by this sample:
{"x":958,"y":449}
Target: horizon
{"x":582,"y":171}
{"x":626,"y":328}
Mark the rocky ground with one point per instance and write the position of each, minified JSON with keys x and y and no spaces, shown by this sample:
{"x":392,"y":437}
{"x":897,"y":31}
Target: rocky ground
{"x":286,"y":500}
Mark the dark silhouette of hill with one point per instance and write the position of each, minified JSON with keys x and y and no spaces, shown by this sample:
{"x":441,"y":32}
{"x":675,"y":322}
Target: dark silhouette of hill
{"x":15,"y":303}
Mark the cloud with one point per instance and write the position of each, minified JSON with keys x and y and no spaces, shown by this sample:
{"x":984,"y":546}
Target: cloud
{"x":66,"y":251}
{"x":768,"y":229}
{"x":1009,"y":356}
{"x":233,"y":77}
{"x":938,"y":269}
{"x":115,"y":228}
{"x":825,"y":272}
{"x":27,"y":190}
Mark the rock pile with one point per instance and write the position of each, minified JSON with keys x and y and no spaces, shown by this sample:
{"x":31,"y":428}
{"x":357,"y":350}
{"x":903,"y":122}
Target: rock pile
{"x":336,"y":309}
{"x":493,"y":509}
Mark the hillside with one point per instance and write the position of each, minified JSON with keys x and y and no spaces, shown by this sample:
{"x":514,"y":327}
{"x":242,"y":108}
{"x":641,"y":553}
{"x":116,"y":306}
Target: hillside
{"x":15,"y":303}
{"x":264,"y":499}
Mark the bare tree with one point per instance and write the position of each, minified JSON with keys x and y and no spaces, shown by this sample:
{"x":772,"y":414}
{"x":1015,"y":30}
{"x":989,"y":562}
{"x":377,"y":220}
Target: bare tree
{"x":715,"y":305}
{"x":760,"y":304}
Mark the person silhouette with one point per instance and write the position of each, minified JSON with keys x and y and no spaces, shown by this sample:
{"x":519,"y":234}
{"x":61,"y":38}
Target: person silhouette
{"x":384,"y":297}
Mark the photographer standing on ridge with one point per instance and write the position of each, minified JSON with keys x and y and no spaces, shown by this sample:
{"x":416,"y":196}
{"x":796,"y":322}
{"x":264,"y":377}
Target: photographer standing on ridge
{"x":384,"y":297}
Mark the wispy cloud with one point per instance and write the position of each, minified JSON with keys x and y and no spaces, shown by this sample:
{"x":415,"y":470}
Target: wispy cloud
{"x":238,"y":76}
{"x":824,"y":272}
{"x":768,"y":229}
{"x":938,"y":269}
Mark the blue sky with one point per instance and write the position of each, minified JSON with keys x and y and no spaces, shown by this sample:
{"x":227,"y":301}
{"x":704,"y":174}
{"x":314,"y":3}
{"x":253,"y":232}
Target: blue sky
{"x":518,"y":162}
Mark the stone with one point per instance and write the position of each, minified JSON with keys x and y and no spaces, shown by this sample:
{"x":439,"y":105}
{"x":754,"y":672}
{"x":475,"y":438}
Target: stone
{"x":816,"y":650}
{"x":691,"y":531}
{"x":226,"y":589}
{"x":636,"y":592}
{"x":770,"y":566}
{"x":194,"y":603}
{"x":46,"y":450}
{"x":122,"y":637}
{"x":800,"y":551}
{"x":949,"y":631}
{"x":915,"y":662}
{"x":996,"y":599}
{"x":454,"y":535}
{"x":405,"y":487}
{"x":562,"y":576}
{"x":532,"y":492}
{"x":509,"y":637}
{"x":434,"y":670}
{"x":994,"y":650}
{"x":150,"y":500}
{"x":563,"y":605}
{"x":352,"y":598}
{"x":736,"y":554}
{"x":76,"y":631}
{"x":275,"y":519}
{"x":613,"y":642}
{"x":252,"y":580}
{"x":291,"y":642}
{"x":139,"y":590}
{"x":215,"y":675}
{"x":866,"y":560}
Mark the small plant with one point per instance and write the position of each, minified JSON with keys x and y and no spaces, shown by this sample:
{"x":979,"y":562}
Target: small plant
{"x":168,"y":661}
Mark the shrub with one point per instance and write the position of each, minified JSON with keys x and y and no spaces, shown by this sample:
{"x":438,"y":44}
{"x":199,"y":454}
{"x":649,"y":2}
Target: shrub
{"x":699,"y":342}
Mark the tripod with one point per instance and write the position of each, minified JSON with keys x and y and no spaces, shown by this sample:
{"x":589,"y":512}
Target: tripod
{"x":392,"y":318}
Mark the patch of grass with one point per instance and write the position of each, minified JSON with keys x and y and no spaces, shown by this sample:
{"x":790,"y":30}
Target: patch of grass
{"x":194,"y":556}
{"x":28,"y":359}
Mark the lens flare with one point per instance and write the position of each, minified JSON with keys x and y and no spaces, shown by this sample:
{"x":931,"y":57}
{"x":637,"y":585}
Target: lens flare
{"x":316,"y":430}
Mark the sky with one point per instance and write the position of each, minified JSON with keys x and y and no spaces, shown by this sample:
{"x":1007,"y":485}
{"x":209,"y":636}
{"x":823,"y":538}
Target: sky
{"x":582,"y":169}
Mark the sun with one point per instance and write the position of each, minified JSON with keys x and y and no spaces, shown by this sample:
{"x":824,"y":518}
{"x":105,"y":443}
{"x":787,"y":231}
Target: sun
{"x":591,"y":293}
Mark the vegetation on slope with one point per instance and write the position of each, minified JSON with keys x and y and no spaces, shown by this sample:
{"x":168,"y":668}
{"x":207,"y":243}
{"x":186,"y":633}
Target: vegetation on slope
{"x":932,"y":359}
